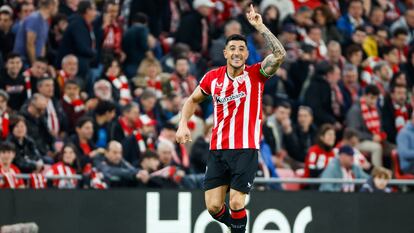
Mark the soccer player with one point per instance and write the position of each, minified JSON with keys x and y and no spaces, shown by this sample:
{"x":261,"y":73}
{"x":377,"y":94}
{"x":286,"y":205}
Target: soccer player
{"x":237,"y":91}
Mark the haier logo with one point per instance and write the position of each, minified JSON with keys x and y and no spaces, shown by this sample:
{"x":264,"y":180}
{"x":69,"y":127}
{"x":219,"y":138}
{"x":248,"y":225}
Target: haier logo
{"x":183,"y":223}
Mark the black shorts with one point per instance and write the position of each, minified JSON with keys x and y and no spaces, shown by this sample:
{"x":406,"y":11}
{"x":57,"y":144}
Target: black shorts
{"x":236,"y":168}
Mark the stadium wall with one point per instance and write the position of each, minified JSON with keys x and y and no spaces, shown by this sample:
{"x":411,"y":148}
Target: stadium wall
{"x":171,"y":211}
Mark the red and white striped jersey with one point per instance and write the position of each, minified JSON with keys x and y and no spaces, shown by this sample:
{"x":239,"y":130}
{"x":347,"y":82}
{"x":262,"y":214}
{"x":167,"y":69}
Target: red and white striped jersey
{"x":237,"y":107}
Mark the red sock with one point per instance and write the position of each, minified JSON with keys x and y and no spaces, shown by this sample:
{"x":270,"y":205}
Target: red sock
{"x":238,"y":221}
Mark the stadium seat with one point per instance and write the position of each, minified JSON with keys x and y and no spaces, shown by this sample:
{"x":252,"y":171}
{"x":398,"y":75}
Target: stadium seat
{"x":288,"y":173}
{"x":396,"y":167}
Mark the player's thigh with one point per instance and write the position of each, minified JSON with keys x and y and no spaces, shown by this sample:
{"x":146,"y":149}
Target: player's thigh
{"x":215,"y":198}
{"x":217,"y":171}
{"x":243,"y":170}
{"x":237,"y":199}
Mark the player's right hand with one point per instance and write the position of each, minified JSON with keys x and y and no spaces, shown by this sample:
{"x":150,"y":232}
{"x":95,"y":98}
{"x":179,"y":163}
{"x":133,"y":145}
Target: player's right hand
{"x":183,"y":134}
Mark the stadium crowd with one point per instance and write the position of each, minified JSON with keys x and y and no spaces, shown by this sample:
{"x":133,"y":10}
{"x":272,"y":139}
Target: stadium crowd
{"x":95,"y":89}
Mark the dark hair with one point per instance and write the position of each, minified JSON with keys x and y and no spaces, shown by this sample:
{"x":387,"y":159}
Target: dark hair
{"x":13,"y":56}
{"x":169,"y":126}
{"x":108,"y":64}
{"x":350,"y":50}
{"x":139,"y":18}
{"x":321,"y":132}
{"x":71,"y":82}
{"x":360,"y":28}
{"x":283,"y":104}
{"x":236,"y":37}
{"x":388,"y":49}
{"x":352,"y":1}
{"x":14,"y":120}
{"x":42,"y":80}
{"x":7,"y":146}
{"x":326,"y":12}
{"x":57,"y":18}
{"x":394,"y":78}
{"x":45,"y":3}
{"x":375,"y":8}
{"x":82,"y":121}
{"x":110,"y":2}
{"x":104,"y":106}
{"x":400,"y":31}
{"x":148,"y":94}
{"x":84,"y":6}
{"x":76,"y":164}
{"x":372,"y":90}
{"x":314,"y":26}
{"x":149,"y":154}
{"x":128,"y":107}
{"x":42,"y":60}
{"x":350,"y":133}
{"x":393,"y":87}
{"x":180,"y":57}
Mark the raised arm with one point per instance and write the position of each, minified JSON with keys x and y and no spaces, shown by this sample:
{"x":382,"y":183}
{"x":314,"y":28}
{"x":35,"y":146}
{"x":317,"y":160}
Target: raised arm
{"x":272,"y":62}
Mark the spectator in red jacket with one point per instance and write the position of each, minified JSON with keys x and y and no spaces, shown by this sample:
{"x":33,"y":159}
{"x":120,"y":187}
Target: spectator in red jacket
{"x":321,"y":153}
{"x":68,"y":165}
{"x":7,"y":169}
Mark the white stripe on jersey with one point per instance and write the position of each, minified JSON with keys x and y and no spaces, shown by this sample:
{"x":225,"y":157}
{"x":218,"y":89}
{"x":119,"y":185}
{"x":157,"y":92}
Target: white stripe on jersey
{"x":233,"y":117}
{"x":258,"y":121}
{"x":213,"y":88}
{"x":246,"y":114}
{"x":225,"y":113}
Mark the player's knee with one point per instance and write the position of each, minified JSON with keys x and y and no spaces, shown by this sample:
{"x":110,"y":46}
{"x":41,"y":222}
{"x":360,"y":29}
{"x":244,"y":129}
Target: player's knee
{"x":214,"y":207}
{"x":236,"y":203}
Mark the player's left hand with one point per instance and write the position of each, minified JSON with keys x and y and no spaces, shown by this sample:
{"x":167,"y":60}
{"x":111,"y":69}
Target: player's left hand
{"x":255,"y":19}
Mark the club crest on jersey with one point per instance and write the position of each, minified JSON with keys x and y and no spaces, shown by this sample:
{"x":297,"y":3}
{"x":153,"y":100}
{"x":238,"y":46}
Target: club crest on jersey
{"x":223,"y":100}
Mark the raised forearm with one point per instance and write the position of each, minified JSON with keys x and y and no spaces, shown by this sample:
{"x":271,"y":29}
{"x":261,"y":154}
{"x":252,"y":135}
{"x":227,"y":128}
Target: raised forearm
{"x":272,"y":43}
{"x":187,"y":111}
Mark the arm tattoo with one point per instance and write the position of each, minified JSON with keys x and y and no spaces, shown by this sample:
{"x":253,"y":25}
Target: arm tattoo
{"x":273,"y":61}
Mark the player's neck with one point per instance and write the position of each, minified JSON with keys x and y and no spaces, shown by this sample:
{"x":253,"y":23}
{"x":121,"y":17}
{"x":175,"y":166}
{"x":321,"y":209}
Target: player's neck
{"x":234,"y":72}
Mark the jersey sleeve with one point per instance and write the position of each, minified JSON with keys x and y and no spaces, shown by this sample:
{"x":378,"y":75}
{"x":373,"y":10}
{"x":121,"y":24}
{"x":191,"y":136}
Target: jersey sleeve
{"x":256,"y":72}
{"x":205,"y":84}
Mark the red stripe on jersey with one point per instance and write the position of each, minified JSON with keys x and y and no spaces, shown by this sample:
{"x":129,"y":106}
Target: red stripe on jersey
{"x":253,"y":113}
{"x":230,"y":109}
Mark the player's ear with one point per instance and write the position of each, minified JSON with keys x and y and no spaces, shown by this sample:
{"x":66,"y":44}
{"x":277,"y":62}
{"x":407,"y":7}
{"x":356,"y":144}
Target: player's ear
{"x":225,"y":52}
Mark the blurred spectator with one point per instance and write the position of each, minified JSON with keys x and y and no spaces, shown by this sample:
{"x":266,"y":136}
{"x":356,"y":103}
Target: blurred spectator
{"x":135,"y":44}
{"x":6,"y":34}
{"x":216,"y":50}
{"x":13,"y":82}
{"x":4,"y":115}
{"x":58,"y":27}
{"x":302,"y":137}
{"x":375,"y":42}
{"x":181,"y":80}
{"x":334,"y":55}
{"x":322,"y":17}
{"x":314,"y":38}
{"x":79,"y":38}
{"x":351,"y":138}
{"x":108,"y":33}
{"x":408,"y":69}
{"x":72,"y":104}
{"x":289,"y":40}
{"x":406,"y":22}
{"x":121,"y":90}
{"x":199,"y":151}
{"x":378,"y":182}
{"x":180,"y":156}
{"x":28,"y":158}
{"x":165,"y":151}
{"x":354,"y":55}
{"x":358,"y":37}
{"x":271,"y":18}
{"x":405,"y":147}
{"x":103,"y":116}
{"x":83,"y":141}
{"x":301,"y":18}
{"x":376,"y":17}
{"x":284,"y":7}
{"x":126,"y":123}
{"x":366,"y":119}
{"x":148,"y":103}
{"x":342,"y":167}
{"x":320,"y":154}
{"x":23,"y":9}
{"x":302,"y":70}
{"x":140,"y":141}
{"x":68,"y":7}
{"x":7,"y":169}
{"x":37,"y":71}
{"x":194,"y":27}
{"x":327,"y":105}
{"x":399,"y":41}
{"x":34,"y":113}
{"x":68,"y":72}
{"x":67,"y":165}
{"x":354,"y":18}
{"x":117,"y":171}
{"x":349,"y":86}
{"x":395,"y":112}
{"x":57,"y":121}
{"x":32,"y":35}
{"x":148,"y":77}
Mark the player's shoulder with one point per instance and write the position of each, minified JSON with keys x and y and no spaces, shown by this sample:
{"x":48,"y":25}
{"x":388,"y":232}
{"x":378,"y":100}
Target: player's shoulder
{"x":214,"y":73}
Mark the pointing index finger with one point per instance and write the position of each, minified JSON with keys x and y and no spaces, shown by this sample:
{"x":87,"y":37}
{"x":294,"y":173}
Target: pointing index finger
{"x":252,"y":9}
